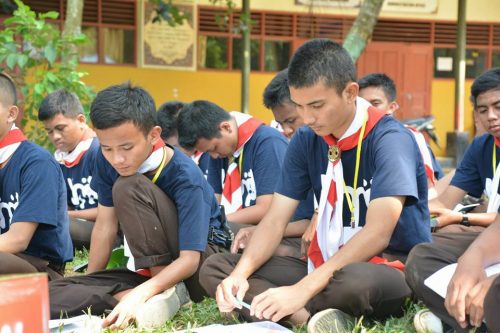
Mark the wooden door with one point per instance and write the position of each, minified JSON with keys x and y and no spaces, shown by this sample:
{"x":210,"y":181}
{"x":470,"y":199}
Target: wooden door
{"x":410,"y":66}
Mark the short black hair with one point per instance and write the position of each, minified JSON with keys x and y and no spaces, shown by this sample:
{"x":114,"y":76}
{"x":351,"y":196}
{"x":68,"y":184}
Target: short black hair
{"x":379,"y":80}
{"x":167,"y":118}
{"x":123,"y":103}
{"x":8,"y":93}
{"x":489,"y":80}
{"x":60,"y":102}
{"x":321,"y":59}
{"x":199,"y":119}
{"x":277,"y":92}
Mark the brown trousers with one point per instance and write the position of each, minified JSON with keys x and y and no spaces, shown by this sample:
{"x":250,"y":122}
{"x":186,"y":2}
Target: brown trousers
{"x":24,"y":264}
{"x":148,"y":219}
{"x":80,"y":231}
{"x":359,"y":289}
{"x":425,"y":259}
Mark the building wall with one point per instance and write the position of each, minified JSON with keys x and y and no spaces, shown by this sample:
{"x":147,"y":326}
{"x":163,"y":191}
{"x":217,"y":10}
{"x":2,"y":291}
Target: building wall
{"x":223,"y":88}
{"x":477,"y":10}
{"x":442,"y":107}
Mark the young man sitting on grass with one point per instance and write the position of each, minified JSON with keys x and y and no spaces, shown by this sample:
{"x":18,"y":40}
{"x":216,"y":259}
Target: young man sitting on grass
{"x":247,"y":157}
{"x":76,"y":148}
{"x":167,"y":212}
{"x":34,"y":226}
{"x":367,"y":171}
{"x":297,"y":237}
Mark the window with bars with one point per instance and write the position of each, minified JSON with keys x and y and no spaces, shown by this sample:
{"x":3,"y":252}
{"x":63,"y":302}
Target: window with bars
{"x":275,"y":34}
{"x":219,"y":44}
{"x":110,"y":26}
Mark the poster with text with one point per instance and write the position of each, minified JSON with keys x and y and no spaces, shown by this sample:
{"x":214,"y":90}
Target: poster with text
{"x":166,"y":46}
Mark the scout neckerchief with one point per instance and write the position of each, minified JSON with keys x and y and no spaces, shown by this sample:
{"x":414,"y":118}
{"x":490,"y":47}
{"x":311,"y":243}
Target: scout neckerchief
{"x":155,"y":161}
{"x":328,"y":237}
{"x":10,"y":143}
{"x":494,"y":197}
{"x":425,"y":153}
{"x":196,"y":157}
{"x":232,"y":195}
{"x":71,"y":159}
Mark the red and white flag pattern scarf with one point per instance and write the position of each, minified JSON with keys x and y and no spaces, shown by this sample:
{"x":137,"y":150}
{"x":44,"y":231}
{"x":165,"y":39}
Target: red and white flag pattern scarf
{"x":196,"y":157}
{"x":232,"y":195}
{"x":10,"y":143}
{"x":73,"y":158}
{"x":154,"y":160}
{"x":426,"y":154}
{"x":329,"y":236}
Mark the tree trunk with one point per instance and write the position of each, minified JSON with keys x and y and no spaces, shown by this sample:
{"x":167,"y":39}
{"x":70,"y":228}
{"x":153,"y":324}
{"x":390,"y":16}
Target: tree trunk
{"x":362,"y":29}
{"x":72,"y":26}
{"x":246,"y":56}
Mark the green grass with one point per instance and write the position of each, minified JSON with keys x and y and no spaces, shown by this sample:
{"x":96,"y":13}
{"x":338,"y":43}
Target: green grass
{"x":206,"y":313}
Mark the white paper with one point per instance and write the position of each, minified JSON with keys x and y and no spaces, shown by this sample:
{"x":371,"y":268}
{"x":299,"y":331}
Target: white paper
{"x":444,"y":64}
{"x":439,"y":281}
{"x":79,"y":324}
{"x":257,"y":327}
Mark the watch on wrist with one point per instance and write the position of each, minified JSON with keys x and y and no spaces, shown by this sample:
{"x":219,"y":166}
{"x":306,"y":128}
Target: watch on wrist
{"x":465,"y":220}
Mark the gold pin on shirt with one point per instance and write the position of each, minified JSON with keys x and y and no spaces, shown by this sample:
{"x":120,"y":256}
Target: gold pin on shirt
{"x":334,"y":153}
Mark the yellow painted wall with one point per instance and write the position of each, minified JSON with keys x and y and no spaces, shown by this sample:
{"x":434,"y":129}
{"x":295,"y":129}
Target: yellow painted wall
{"x":442,"y":107}
{"x":477,"y":10}
{"x":222,"y":88}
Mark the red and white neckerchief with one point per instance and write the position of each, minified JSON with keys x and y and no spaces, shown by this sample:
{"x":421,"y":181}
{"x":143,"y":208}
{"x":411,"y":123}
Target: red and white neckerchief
{"x":494,"y":197}
{"x":71,"y":159}
{"x":329,"y":235}
{"x":10,"y":143}
{"x":425,"y":153}
{"x":232,"y":195}
{"x":196,"y":157}
{"x":151,"y":163}
{"x":154,"y":160}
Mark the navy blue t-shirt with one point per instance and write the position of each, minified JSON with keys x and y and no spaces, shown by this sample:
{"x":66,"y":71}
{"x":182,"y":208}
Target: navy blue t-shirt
{"x":391,"y":165}
{"x":475,"y":173}
{"x":32,"y":189}
{"x":305,"y":209}
{"x":80,"y":194}
{"x":203,"y":163}
{"x":261,"y":166}
{"x":438,"y":171}
{"x":183,"y":182}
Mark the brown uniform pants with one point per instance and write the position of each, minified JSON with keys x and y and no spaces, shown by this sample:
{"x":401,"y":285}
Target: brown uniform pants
{"x":24,"y":264}
{"x":425,"y":259}
{"x":148,"y":219}
{"x":358,"y":289}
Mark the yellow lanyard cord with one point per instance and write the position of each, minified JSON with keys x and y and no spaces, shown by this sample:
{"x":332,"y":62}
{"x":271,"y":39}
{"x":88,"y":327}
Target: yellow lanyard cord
{"x":162,"y":165}
{"x":240,"y":159}
{"x":494,"y":159}
{"x":356,"y":173}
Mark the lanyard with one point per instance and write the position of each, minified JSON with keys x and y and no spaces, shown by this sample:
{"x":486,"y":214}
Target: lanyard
{"x":356,"y":173}
{"x":494,"y":159}
{"x":240,"y":159}
{"x":160,"y":168}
